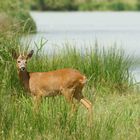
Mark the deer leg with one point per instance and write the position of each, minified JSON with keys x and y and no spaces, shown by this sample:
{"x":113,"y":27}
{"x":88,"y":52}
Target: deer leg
{"x":86,"y":104}
{"x":36,"y":103}
{"x":87,"y":101}
{"x":68,"y":94}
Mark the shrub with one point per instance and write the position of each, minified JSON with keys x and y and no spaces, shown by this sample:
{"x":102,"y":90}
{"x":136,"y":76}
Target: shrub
{"x":15,"y":12}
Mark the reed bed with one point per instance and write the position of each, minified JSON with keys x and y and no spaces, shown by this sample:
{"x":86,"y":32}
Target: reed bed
{"x":109,"y":87}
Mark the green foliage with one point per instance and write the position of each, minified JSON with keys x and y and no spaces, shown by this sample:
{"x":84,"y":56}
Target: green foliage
{"x":115,"y":5}
{"x":105,"y":69}
{"x":104,"y":5}
{"x":115,"y":116}
{"x":120,"y":6}
{"x":27,"y":25}
{"x":53,"y":5}
{"x":138,"y":5}
{"x":16,"y":12}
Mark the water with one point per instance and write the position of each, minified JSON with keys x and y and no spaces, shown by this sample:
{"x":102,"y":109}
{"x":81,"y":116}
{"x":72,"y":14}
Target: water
{"x":85,"y":28}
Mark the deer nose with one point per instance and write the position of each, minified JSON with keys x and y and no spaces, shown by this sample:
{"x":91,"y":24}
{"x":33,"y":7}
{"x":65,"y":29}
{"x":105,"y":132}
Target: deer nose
{"x":22,"y":68}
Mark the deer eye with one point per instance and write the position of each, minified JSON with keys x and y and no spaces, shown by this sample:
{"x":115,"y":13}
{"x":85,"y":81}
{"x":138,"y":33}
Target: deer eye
{"x":26,"y":62}
{"x":18,"y":61}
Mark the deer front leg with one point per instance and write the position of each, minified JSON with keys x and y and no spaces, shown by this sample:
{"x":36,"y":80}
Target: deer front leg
{"x":36,"y":103}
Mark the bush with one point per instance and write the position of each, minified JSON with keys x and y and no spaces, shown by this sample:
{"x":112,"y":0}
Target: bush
{"x":55,"y":5}
{"x":120,"y":6}
{"x":138,"y":5}
{"x":115,"y":5}
{"x":16,"y":13}
{"x":27,"y":25}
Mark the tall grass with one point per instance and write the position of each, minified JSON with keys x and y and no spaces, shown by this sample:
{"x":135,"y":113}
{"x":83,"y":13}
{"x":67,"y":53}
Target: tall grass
{"x":15,"y":14}
{"x":115,"y":116}
{"x":105,"y":69}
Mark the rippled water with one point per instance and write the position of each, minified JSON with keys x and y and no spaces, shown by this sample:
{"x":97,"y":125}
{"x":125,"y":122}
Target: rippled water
{"x":85,"y":28}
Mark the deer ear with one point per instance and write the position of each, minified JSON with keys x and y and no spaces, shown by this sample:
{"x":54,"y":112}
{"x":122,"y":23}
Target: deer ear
{"x":14,"y":54}
{"x":30,"y":54}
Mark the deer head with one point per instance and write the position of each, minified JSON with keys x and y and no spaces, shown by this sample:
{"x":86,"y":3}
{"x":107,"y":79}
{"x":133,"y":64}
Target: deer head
{"x":21,"y":60}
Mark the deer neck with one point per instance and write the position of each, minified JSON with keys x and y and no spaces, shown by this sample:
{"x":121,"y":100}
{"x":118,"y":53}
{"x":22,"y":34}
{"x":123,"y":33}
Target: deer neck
{"x":24,"y":78}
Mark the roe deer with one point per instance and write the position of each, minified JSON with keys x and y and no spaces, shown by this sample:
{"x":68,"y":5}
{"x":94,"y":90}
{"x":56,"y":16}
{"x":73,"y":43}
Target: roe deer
{"x":67,"y":82}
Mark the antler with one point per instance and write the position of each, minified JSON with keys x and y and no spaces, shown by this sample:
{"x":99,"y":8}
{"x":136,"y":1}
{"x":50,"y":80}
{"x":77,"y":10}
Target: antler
{"x":23,"y":51}
{"x":19,"y":50}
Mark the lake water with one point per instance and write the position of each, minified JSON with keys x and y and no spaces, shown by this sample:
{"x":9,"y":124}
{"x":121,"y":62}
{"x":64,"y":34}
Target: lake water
{"x":85,"y":28}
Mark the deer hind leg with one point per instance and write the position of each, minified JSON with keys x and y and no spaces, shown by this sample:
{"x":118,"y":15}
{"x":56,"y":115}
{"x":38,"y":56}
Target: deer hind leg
{"x":86,"y":103}
{"x":68,"y":94}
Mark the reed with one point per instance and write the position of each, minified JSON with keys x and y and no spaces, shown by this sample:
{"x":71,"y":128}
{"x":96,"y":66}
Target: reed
{"x":116,"y":116}
{"x":103,"y":68}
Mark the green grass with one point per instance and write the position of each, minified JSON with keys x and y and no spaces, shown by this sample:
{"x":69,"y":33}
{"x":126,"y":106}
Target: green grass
{"x":116,"y":102}
{"x":105,"y":69}
{"x":110,"y":88}
{"x":115,"y":117}
{"x":14,"y":16}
